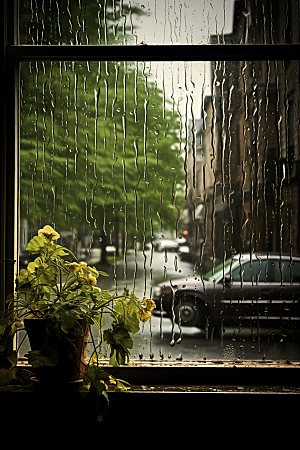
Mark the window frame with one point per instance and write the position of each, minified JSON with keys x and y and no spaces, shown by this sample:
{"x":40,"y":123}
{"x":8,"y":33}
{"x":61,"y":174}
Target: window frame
{"x":11,"y":55}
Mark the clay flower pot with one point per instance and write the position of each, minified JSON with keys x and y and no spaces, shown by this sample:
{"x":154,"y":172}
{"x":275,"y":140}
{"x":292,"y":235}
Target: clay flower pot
{"x":66,"y":369}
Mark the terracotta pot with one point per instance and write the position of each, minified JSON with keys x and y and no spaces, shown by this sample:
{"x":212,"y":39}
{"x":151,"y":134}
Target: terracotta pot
{"x":67,"y":370}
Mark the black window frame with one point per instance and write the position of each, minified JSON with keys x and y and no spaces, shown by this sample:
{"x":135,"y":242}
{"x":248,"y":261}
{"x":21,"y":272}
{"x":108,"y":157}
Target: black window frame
{"x":11,"y":55}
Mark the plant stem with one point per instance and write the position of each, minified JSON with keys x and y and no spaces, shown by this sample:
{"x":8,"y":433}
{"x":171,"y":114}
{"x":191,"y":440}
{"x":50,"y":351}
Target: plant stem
{"x":94,"y":345}
{"x":60,"y":279}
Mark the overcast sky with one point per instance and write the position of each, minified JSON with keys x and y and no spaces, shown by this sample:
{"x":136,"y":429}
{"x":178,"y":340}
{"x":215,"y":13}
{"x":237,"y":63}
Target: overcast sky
{"x":183,"y":22}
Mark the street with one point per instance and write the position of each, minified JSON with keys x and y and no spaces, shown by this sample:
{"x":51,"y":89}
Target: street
{"x":158,"y":339}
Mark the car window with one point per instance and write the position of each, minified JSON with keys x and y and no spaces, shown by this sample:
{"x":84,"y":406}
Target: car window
{"x":286,"y":271}
{"x":251,"y":271}
{"x":218,"y":272}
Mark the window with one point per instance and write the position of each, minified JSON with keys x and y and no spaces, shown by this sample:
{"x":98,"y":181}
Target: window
{"x":285,"y":272}
{"x":252,"y":271}
{"x":159,"y":154}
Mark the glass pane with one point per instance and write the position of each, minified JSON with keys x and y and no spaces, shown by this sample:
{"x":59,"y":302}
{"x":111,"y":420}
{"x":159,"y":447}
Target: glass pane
{"x":122,"y":22}
{"x":251,"y":272}
{"x":174,"y":178}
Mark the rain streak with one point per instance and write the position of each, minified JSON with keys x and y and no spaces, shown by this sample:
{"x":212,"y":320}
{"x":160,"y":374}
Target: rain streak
{"x":180,"y":179}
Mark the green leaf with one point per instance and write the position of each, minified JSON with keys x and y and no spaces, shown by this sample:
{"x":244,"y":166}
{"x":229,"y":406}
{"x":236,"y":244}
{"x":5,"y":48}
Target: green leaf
{"x":95,"y":380}
{"x":123,"y":338}
{"x":38,"y":358}
{"x":36,"y":245}
{"x":11,"y":356}
{"x":61,"y":251}
{"x":99,"y":387}
{"x":22,"y":278}
{"x":128,"y":309}
{"x":120,"y":341}
{"x":32,"y":266}
{"x":117,"y":358}
{"x":122,"y":385}
{"x":68,"y":321}
{"x":98,"y":320}
{"x":113,"y":361}
{"x":94,"y":375}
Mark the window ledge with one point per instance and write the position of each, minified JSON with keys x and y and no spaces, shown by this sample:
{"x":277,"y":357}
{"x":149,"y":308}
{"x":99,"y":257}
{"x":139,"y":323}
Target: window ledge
{"x":206,"y":373}
{"x":218,"y":373}
{"x":218,"y":389}
{"x":213,"y":406}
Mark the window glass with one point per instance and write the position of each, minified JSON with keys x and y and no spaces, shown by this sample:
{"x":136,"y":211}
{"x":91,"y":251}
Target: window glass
{"x":122,"y":22}
{"x":251,"y":271}
{"x":161,"y":173}
{"x":164,"y":171}
{"x":286,"y":272}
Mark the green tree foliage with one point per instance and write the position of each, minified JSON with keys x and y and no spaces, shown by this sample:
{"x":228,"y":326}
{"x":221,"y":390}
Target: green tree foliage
{"x":80,"y":22}
{"x":99,"y":143}
{"x":97,"y":147}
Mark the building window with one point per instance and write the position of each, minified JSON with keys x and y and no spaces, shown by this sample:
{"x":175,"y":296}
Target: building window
{"x":162,"y":140}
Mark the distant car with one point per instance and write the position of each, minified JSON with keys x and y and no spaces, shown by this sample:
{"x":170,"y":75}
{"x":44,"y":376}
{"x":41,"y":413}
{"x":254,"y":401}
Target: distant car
{"x":166,"y":244}
{"x":110,"y":250}
{"x":248,"y":287}
{"x":184,"y":253}
{"x":181,"y":241}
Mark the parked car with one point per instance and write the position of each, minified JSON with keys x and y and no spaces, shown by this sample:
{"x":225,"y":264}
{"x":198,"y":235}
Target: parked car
{"x":170,"y":245}
{"x":184,"y":253}
{"x":247,"y":287}
{"x":110,"y":250}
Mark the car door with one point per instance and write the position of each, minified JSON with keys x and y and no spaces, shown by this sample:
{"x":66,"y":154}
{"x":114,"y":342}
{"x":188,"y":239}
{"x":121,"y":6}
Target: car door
{"x":248,"y":292}
{"x":285,"y":289}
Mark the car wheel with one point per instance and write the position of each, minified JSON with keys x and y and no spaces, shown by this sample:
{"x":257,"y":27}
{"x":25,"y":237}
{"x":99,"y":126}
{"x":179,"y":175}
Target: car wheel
{"x":189,"y":312}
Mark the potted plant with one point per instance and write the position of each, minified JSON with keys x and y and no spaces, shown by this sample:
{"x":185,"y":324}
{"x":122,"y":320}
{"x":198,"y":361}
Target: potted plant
{"x":58,"y":300}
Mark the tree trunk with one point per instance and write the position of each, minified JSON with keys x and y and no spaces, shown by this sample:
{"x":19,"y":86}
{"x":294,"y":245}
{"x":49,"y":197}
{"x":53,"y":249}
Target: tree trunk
{"x":103,"y":251}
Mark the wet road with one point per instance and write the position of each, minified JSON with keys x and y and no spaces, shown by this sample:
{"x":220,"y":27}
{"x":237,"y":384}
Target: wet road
{"x":141,"y":271}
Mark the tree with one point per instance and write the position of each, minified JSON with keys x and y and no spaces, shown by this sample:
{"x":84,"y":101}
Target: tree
{"x":98,"y":149}
{"x":98,"y":144}
{"x":82,"y":22}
